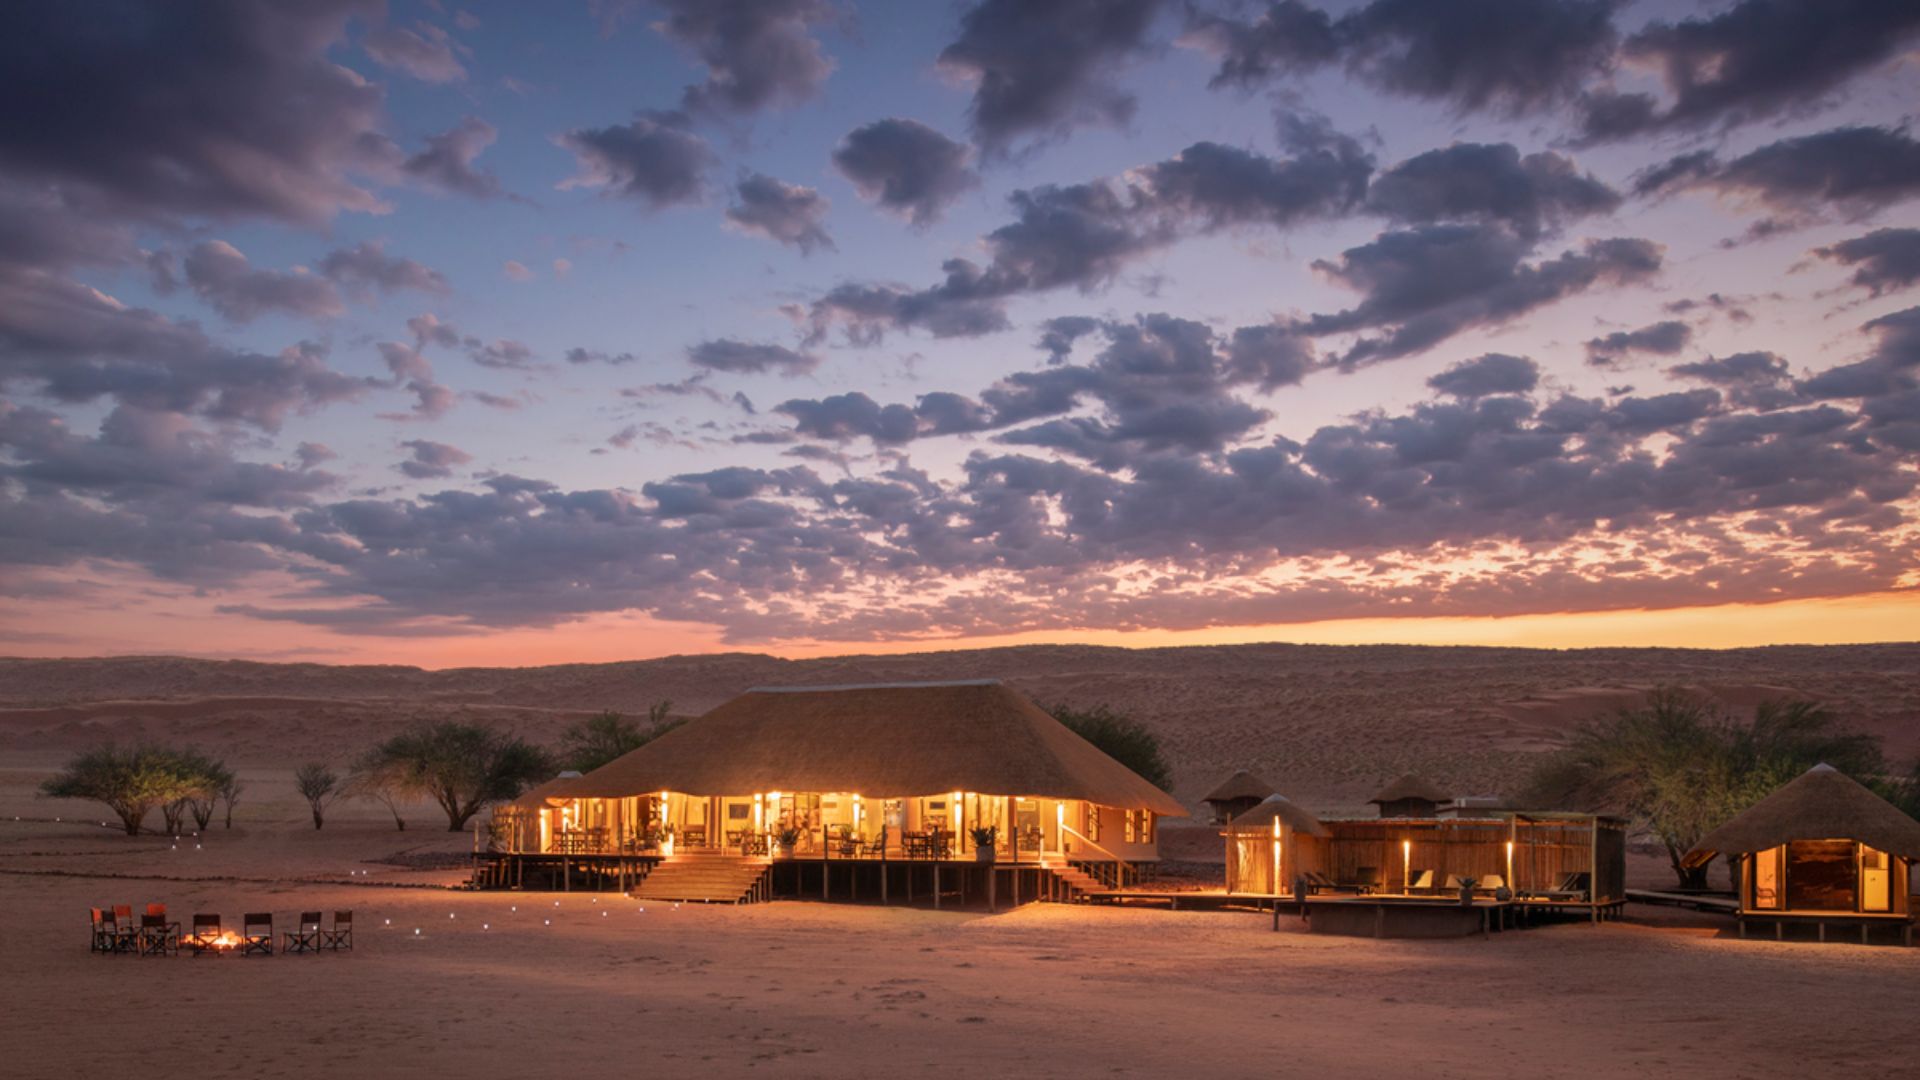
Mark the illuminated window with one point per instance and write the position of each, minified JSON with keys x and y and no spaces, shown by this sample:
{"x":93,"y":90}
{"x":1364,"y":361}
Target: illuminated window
{"x":1766,"y":878}
{"x":1132,"y":827}
{"x":1093,"y":822}
{"x":1146,"y":826}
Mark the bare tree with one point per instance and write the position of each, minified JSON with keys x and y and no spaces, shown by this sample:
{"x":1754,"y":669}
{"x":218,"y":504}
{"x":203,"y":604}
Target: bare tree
{"x":386,"y":782}
{"x":230,"y":789}
{"x":319,"y":785}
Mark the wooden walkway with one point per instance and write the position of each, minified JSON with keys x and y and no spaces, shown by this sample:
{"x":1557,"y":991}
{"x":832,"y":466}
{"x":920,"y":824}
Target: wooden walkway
{"x":1718,"y":905}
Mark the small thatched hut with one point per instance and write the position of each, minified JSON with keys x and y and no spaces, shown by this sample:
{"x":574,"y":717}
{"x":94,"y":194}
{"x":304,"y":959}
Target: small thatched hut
{"x":1263,"y":845}
{"x":1236,"y":795}
{"x":1823,"y":850}
{"x":1410,"y":797}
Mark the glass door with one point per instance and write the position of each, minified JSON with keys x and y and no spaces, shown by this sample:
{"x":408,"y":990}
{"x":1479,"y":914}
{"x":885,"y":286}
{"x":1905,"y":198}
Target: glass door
{"x":1876,"y":880}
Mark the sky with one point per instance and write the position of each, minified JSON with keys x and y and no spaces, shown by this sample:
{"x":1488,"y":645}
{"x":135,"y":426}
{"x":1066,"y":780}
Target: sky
{"x":464,"y":333}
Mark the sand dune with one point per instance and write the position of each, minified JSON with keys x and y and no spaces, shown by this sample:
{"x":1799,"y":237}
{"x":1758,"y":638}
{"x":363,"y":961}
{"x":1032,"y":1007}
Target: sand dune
{"x":1328,"y":724}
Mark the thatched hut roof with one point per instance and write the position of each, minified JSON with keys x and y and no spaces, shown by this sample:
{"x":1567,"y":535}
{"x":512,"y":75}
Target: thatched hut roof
{"x":558,"y":789}
{"x":1820,"y":804}
{"x":900,"y":740}
{"x":1241,"y":785}
{"x":1290,"y":814}
{"x":1411,"y":787}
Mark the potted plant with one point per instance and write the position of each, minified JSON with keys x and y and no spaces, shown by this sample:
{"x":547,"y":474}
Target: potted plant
{"x":984,"y":838}
{"x":783,"y":840}
{"x":1466,"y":890}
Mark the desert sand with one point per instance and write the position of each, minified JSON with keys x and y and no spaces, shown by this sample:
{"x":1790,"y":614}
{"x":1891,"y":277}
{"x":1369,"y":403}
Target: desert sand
{"x":598,"y":986}
{"x":593,"y":984}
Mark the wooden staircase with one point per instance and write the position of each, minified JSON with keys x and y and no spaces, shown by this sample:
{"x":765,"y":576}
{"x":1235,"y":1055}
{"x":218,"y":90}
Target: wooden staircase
{"x":1084,"y":885}
{"x":706,"y":879}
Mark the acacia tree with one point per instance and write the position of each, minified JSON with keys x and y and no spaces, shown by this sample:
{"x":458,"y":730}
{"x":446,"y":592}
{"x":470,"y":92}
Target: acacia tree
{"x":207,"y":777}
{"x":1121,"y":737}
{"x":386,"y":782}
{"x":130,"y":782}
{"x":1680,"y":768}
{"x":319,"y":785}
{"x":462,"y":767}
{"x":595,"y":741}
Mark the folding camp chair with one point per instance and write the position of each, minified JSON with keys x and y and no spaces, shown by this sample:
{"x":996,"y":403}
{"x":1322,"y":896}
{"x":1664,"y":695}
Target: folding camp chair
{"x":158,"y":937}
{"x":307,"y":938}
{"x":206,"y":935}
{"x":340,"y":935}
{"x":256,"y":933}
{"x":103,"y":930}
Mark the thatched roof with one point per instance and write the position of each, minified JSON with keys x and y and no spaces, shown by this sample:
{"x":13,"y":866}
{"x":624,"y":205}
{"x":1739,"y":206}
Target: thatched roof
{"x":900,"y":740}
{"x":1820,"y":804}
{"x":1291,"y":814}
{"x":559,"y":789}
{"x":1241,"y":785}
{"x":1411,"y":787}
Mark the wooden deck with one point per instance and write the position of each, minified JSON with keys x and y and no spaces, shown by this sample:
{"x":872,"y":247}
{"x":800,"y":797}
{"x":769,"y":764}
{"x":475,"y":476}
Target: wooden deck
{"x":1715,"y":903}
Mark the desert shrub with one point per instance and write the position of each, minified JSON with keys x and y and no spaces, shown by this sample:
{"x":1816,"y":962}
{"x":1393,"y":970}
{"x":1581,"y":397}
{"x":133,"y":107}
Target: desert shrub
{"x":597,"y":740}
{"x":1122,"y":738}
{"x":1679,"y":768}
{"x":461,"y":766}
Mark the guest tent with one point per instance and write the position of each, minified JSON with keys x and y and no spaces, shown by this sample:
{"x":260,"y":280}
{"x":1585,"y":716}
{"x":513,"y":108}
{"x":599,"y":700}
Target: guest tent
{"x":1822,"y":849}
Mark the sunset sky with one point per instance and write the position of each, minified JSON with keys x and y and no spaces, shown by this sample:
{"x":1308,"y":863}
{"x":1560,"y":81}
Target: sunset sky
{"x":450,"y":333}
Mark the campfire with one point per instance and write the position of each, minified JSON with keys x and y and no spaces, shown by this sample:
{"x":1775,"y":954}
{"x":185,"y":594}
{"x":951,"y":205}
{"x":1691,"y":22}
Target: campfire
{"x":224,"y":941}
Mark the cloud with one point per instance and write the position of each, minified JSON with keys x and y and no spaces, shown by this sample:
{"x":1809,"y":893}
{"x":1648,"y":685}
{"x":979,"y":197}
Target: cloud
{"x":906,"y":167}
{"x":516,"y":270}
{"x":1041,"y":68}
{"x":423,"y":51}
{"x":432,"y":460}
{"x":414,"y":372}
{"x":1494,"y":505}
{"x":446,"y":161}
{"x":1494,"y":373}
{"x":75,"y":344}
{"x":1481,"y":182}
{"x":1854,"y":171}
{"x":757,"y":53}
{"x":1754,"y":60}
{"x":1884,"y":260}
{"x":1421,"y":286}
{"x":366,"y":268}
{"x":784,"y":213}
{"x":166,"y":117}
{"x":580,"y":355}
{"x":500,"y":353}
{"x":654,"y":159}
{"x":740,"y":357}
{"x":1663,"y":338}
{"x":1083,"y":235}
{"x":1504,"y":56}
{"x":222,"y":277}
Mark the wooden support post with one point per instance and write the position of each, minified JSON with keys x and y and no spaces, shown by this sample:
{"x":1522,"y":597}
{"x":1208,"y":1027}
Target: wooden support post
{"x":993,"y":884}
{"x":566,"y":872}
{"x":1820,"y":928}
{"x":936,"y":886}
{"x":1779,"y":930}
{"x":883,"y":877}
{"x":1016,"y":885}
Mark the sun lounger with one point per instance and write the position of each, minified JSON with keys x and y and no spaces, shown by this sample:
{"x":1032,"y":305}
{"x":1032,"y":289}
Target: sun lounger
{"x":1574,"y":886}
{"x":1421,"y":882}
{"x":256,"y":933}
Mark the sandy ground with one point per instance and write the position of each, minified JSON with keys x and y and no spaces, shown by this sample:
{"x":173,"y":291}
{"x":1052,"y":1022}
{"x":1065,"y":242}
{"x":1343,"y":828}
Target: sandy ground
{"x":598,"y":986}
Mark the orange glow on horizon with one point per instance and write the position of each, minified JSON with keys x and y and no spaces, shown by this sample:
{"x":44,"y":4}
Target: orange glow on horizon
{"x":180,"y":624}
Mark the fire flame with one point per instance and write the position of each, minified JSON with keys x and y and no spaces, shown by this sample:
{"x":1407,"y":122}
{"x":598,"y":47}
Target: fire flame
{"x":225,"y":939}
